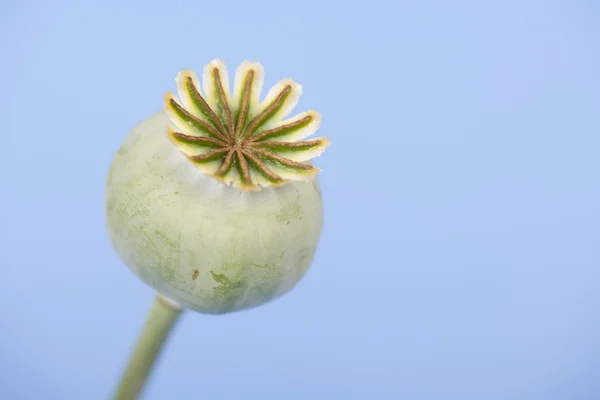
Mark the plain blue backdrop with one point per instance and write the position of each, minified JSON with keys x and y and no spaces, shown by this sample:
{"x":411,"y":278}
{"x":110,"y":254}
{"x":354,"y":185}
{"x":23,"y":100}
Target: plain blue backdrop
{"x":460,"y":257}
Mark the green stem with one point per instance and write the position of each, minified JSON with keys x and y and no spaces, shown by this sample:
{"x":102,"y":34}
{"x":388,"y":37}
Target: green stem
{"x":159,"y":324}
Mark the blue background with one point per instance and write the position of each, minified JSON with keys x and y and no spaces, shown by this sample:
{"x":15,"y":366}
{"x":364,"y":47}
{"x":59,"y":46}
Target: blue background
{"x":460,"y":257}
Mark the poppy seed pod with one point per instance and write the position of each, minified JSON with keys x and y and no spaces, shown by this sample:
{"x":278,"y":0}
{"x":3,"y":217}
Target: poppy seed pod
{"x":214,"y":201}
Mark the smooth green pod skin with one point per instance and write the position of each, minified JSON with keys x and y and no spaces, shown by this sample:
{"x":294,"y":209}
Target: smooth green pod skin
{"x":199,"y":242}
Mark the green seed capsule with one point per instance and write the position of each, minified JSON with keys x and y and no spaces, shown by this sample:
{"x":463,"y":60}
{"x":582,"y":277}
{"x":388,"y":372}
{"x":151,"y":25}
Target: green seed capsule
{"x":214,"y":202}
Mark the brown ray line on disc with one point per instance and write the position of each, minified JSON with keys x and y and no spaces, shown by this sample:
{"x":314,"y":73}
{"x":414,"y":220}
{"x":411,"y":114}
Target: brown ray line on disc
{"x":197,"y":120}
{"x":224,"y":102}
{"x":280,"y":128}
{"x":245,"y":101}
{"x":304,"y":143}
{"x":207,"y":108}
{"x":283,"y":160}
{"x":244,"y":165}
{"x":199,"y":139}
{"x":262,"y":166}
{"x":226,"y":163}
{"x":210,"y":154}
{"x":276,"y":103}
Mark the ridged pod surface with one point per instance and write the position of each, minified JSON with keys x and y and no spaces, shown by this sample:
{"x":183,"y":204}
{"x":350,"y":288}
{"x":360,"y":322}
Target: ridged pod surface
{"x":213,"y":201}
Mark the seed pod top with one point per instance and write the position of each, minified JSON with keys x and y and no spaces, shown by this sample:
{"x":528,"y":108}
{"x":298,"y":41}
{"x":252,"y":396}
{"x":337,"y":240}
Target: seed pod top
{"x":237,"y":139}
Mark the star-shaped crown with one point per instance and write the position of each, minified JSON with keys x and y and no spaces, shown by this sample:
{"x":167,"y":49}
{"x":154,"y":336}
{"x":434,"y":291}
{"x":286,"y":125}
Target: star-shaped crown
{"x":238,"y":139}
